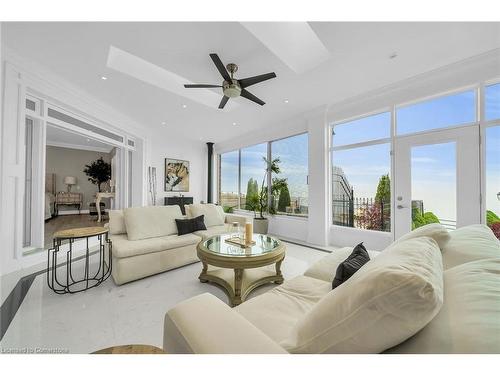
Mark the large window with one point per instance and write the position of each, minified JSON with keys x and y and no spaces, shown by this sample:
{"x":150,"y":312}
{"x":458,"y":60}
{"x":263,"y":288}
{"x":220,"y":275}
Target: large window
{"x":253,"y":169}
{"x":361,"y":193}
{"x":443,"y":112}
{"x":228,"y":179}
{"x":291,"y":197}
{"x":363,"y":129}
{"x":242,"y":176}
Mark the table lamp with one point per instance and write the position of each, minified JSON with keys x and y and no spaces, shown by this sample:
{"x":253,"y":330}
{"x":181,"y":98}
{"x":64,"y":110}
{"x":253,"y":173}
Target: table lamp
{"x":70,"y":181}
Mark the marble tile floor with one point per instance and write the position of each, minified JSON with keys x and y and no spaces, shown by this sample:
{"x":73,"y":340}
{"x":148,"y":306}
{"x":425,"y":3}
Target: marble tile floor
{"x":111,"y":315}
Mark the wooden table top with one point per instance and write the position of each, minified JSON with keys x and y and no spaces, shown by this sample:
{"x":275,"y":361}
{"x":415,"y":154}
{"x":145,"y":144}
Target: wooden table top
{"x":80,"y":232}
{"x":131,"y":349}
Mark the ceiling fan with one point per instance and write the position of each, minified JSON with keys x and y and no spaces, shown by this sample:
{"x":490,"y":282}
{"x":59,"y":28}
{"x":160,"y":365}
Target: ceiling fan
{"x":231,"y":87}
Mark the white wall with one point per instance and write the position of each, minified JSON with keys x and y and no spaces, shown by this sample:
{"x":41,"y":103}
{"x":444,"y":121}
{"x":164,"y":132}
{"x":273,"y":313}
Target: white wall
{"x":164,"y":145}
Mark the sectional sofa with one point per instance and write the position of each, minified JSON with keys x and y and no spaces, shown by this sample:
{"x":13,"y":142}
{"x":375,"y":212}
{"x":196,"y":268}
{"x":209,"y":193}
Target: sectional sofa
{"x":145,"y":240}
{"x":429,"y":292}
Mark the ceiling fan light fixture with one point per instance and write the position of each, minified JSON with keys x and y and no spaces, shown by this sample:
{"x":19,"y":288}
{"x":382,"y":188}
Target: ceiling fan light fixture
{"x":231,"y":90}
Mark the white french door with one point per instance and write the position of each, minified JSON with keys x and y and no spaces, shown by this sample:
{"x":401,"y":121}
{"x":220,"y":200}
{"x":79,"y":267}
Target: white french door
{"x":437,"y":176}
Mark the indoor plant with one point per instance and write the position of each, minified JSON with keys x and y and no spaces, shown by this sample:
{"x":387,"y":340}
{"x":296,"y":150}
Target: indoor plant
{"x":259,"y":202}
{"x":98,"y":172}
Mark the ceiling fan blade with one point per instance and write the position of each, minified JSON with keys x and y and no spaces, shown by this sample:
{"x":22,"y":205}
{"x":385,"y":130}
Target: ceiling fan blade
{"x":251,"y":97}
{"x":220,"y":67}
{"x":223,"y":101}
{"x":200,"y":86}
{"x":245,"y":82}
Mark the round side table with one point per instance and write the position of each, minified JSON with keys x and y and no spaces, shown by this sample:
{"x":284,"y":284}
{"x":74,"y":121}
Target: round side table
{"x":90,"y":279}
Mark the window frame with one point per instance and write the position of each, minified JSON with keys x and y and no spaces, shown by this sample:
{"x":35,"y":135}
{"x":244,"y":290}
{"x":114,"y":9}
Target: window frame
{"x":480,"y":121}
{"x":269,"y":182}
{"x":378,"y":141}
{"x":269,"y":176}
{"x":477,"y":103}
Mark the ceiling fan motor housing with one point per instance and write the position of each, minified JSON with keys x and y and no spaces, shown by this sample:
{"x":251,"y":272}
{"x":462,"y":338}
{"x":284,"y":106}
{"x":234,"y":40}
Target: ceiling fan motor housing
{"x":231,"y":89}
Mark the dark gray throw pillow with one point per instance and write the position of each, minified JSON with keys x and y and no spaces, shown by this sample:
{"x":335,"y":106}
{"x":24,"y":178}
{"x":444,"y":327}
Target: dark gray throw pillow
{"x":185,"y":226}
{"x":348,"y":267}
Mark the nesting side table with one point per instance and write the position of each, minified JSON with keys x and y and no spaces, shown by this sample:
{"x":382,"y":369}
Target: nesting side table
{"x":90,"y":279}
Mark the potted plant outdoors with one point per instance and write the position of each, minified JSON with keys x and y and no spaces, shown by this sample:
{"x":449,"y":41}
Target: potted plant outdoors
{"x":259,"y":202}
{"x":98,"y":172}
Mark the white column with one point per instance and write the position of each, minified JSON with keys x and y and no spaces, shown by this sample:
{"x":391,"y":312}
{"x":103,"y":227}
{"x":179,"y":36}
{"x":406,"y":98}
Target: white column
{"x":318,"y":222}
{"x":12,"y":173}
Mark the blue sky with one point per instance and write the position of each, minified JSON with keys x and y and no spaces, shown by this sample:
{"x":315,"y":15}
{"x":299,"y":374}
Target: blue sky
{"x":364,"y":166}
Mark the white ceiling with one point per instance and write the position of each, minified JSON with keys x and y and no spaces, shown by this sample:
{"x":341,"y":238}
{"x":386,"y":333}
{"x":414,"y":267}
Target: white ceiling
{"x":359,"y":62}
{"x":63,"y":138}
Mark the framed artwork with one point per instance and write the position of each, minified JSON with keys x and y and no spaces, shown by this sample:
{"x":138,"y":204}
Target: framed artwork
{"x":176,"y":175}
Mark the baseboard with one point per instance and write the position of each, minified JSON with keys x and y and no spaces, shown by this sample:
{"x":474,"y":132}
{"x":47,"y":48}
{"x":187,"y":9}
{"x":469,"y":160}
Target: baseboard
{"x":72,"y":212}
{"x":76,"y":212}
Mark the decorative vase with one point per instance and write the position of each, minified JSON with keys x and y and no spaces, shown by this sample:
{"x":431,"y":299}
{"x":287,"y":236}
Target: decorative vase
{"x":260,"y":226}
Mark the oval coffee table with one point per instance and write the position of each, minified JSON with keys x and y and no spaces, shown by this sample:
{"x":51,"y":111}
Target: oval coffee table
{"x":240,"y":270}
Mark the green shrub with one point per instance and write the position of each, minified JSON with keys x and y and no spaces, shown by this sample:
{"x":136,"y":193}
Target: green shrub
{"x":228,"y":209}
{"x":491,"y":218}
{"x":429,"y":218}
{"x":419,"y":220}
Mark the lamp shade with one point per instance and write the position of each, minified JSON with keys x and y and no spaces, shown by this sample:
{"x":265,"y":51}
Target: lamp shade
{"x":69,"y":180}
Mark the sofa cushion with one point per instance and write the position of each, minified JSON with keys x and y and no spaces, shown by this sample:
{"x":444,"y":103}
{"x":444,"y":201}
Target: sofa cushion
{"x":435,"y":231}
{"x":116,"y":222}
{"x":210,"y":211}
{"x":470,"y":243}
{"x":185,"y":226}
{"x":469,"y":321}
{"x":350,"y":265}
{"x":277,"y":311}
{"x":152,"y":221}
{"x":324,"y":269}
{"x":212,"y":231}
{"x":123,"y":247}
{"x":388,"y":300}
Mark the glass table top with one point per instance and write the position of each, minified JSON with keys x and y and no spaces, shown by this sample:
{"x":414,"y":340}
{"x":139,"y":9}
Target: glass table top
{"x":263,"y":244}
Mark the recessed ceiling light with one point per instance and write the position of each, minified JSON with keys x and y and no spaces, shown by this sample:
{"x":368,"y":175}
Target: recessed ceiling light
{"x":104,"y":78}
{"x":184,"y":106}
{"x":234,"y":123}
{"x":88,"y":140}
{"x":393,"y":55}
{"x":163,"y":123}
{"x":286,"y":101}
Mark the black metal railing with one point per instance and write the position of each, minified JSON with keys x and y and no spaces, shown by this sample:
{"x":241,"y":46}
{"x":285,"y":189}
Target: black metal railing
{"x":365,"y":213}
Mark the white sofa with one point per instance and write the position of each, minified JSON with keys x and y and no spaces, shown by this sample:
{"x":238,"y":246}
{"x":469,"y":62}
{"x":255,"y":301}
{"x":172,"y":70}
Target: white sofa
{"x":145,"y":240}
{"x":455,"y":309}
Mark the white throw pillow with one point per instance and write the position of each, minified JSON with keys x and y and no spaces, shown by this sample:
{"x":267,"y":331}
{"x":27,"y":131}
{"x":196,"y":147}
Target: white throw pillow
{"x":388,"y":300}
{"x":470,"y":243}
{"x":116,"y":222}
{"x":211,"y":212}
{"x":152,"y":221}
{"x":435,"y":231}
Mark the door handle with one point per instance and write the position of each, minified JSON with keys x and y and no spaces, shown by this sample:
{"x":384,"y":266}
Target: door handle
{"x":400,"y":206}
